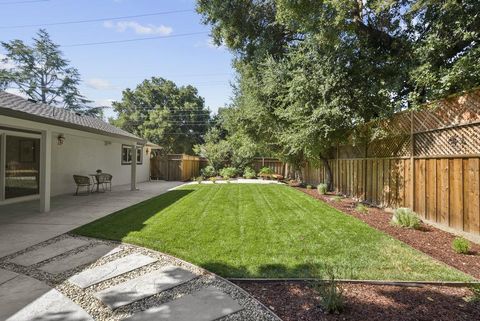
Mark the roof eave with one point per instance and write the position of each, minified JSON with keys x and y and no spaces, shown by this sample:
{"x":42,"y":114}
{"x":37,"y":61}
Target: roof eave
{"x":25,"y":116}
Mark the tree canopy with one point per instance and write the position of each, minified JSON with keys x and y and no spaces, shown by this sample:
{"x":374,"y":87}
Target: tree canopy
{"x":311,"y":70}
{"x":41,"y":72}
{"x":158,"y":110}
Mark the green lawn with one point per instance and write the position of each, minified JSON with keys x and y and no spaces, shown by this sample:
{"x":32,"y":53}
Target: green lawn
{"x":247,"y":230}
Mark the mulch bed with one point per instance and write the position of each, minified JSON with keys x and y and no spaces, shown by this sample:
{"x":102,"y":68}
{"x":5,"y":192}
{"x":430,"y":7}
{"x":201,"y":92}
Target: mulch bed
{"x":297,"y":301}
{"x":430,"y":240}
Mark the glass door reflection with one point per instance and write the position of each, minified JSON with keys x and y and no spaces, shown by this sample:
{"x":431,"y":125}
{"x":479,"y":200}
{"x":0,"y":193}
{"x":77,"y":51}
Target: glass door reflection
{"x":22,"y":166}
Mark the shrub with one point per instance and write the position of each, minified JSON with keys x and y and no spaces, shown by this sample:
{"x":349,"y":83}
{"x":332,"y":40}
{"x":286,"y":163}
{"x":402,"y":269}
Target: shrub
{"x":208,"y":171}
{"x":228,"y":172}
{"x":198,"y":179}
{"x":361,"y":208}
{"x":461,"y":245}
{"x":213,"y":179}
{"x":322,"y":188}
{"x":265,"y":172}
{"x":294,"y":183}
{"x":309,"y":186}
{"x":405,"y":217}
{"x":331,"y":296}
{"x":249,"y":172}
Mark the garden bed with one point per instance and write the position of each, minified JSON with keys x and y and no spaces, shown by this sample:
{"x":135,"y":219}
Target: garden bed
{"x":428,"y":239}
{"x":295,"y":301}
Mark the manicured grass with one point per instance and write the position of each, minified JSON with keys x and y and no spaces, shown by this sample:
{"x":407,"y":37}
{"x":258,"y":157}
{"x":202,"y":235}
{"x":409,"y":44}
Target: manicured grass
{"x":247,"y":230}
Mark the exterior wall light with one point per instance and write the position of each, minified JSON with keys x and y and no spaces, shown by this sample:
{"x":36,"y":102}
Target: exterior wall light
{"x":60,"y":139}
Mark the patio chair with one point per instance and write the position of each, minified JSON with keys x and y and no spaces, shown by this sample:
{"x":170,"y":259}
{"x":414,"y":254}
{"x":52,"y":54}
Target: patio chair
{"x":82,"y":181}
{"x":108,"y":181}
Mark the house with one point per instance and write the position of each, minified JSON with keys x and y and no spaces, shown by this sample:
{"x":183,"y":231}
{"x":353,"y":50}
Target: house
{"x":42,"y":147}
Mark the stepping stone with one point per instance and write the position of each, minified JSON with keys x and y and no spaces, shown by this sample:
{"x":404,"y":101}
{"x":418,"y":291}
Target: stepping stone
{"x":25,"y":299}
{"x":72,"y":261}
{"x":49,"y":251}
{"x":144,"y":286}
{"x":6,"y":275}
{"x":205,"y":305}
{"x":111,"y":269}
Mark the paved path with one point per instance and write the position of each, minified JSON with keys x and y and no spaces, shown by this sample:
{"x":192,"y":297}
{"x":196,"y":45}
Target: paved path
{"x":22,"y":225}
{"x":82,"y":279}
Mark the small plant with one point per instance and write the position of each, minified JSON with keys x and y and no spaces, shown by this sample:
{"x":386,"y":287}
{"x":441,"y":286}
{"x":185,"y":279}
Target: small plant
{"x":476,"y":293}
{"x":309,"y":186}
{"x":322,"y":188}
{"x":361,"y":208}
{"x":294,"y":183}
{"x":198,"y":179}
{"x":337,"y":198}
{"x":331,"y":295}
{"x":228,"y":172}
{"x":405,"y":217}
{"x":213,"y":179}
{"x":249,"y":173}
{"x":265,"y":173}
{"x":208,"y":171}
{"x":461,"y":245}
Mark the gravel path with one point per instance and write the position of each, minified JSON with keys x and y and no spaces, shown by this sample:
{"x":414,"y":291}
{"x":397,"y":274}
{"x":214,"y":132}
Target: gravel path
{"x":251,"y":309}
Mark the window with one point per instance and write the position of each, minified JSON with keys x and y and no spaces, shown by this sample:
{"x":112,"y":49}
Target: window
{"x":127,"y":155}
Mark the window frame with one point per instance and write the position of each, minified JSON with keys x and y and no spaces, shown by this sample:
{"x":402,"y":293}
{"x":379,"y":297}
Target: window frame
{"x":129,"y":149}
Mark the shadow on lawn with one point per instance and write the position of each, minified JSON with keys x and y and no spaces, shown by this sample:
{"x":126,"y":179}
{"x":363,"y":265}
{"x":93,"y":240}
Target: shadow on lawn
{"x":305,"y":270}
{"x":119,"y":224}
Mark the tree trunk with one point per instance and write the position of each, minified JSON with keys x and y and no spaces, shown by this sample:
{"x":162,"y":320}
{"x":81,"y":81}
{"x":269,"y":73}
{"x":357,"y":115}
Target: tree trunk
{"x":329,"y":176}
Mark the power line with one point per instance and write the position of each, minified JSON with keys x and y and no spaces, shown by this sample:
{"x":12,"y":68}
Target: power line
{"x":135,"y":39}
{"x":93,"y":20}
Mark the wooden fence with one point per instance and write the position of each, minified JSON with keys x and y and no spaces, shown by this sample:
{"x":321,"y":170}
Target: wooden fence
{"x":427,"y":160}
{"x":175,"y":167}
{"x":276,"y":165}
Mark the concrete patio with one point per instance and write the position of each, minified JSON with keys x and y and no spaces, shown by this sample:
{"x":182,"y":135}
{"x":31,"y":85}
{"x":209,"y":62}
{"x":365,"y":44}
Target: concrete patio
{"x":23,"y":225}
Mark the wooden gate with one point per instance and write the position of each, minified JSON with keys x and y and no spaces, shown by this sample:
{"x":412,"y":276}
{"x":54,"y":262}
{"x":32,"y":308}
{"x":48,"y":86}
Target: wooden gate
{"x":175,"y":167}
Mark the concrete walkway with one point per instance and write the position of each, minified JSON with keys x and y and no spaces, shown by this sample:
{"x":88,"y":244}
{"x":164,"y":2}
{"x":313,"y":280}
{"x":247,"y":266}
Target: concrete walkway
{"x":22,"y":225}
{"x":93,"y":279}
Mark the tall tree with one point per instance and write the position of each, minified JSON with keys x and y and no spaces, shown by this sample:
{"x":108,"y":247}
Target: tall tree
{"x":42,"y":73}
{"x":158,"y":110}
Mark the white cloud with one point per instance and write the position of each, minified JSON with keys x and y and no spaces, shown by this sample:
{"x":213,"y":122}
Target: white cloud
{"x":208,"y":43}
{"x":99,"y":84}
{"x":104,"y":102}
{"x":5,"y":63}
{"x":150,"y":29}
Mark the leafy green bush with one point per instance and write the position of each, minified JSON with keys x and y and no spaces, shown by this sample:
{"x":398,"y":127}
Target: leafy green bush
{"x":461,"y":245}
{"x":405,"y":217}
{"x":208,"y":171}
{"x":322,"y":188}
{"x":228,"y":172}
{"x":309,"y":186}
{"x":249,"y":172}
{"x":198,"y":179}
{"x":213,"y":179}
{"x":361,"y":208}
{"x":266,"y":172}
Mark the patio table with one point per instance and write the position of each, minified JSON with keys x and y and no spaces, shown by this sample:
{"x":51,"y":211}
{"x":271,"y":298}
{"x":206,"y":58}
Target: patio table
{"x":96,"y":177}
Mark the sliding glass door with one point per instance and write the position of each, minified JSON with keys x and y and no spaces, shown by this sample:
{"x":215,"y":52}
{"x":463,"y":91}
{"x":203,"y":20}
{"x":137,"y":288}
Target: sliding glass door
{"x":21,"y":169}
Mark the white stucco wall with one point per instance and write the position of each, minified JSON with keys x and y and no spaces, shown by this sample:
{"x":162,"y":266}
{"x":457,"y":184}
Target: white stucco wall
{"x":83,"y":153}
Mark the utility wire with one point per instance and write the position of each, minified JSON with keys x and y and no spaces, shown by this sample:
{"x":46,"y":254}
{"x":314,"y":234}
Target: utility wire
{"x":92,"y":20}
{"x":134,"y":39}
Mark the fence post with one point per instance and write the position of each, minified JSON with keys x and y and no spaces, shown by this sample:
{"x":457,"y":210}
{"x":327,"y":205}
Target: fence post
{"x":412,"y":161}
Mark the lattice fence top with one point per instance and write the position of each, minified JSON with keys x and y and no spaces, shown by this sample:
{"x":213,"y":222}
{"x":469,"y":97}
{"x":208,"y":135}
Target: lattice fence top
{"x":453,"y":111}
{"x":446,"y":127}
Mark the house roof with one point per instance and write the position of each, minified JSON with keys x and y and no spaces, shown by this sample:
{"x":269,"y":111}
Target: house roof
{"x":15,"y":106}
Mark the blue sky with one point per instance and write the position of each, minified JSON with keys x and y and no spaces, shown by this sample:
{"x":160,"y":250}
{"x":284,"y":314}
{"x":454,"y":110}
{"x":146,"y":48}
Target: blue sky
{"x":108,"y":69}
